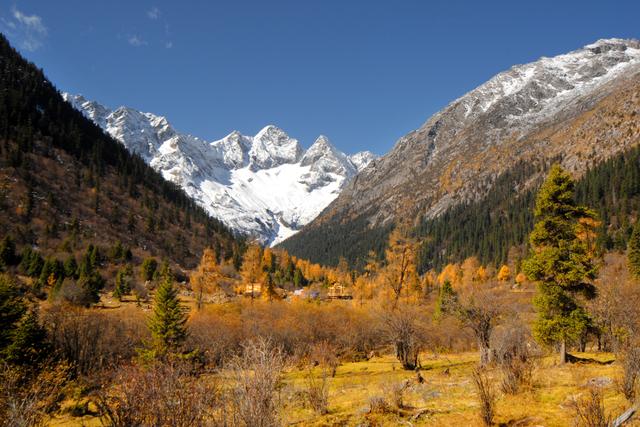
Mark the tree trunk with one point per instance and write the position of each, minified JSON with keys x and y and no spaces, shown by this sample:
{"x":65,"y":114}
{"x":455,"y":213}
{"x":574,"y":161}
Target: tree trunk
{"x":407,"y":355}
{"x":563,"y":352}
{"x":485,"y":353}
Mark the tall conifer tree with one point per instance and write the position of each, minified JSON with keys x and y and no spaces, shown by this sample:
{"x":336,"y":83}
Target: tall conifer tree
{"x":633,"y":254}
{"x":560,"y":262}
{"x":168,"y":321}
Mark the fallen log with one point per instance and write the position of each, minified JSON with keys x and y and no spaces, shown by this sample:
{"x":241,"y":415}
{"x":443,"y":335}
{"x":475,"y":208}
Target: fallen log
{"x":626,"y":416}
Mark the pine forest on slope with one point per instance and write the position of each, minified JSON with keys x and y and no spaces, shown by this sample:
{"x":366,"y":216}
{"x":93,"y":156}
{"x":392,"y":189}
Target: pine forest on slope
{"x":64,"y":180}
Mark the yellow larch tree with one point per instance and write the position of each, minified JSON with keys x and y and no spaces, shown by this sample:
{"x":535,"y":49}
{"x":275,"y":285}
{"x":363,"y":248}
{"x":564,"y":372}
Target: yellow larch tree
{"x":399,"y":271}
{"x":450,"y":273}
{"x":206,"y":277}
{"x":504,"y":274}
{"x":251,"y":269}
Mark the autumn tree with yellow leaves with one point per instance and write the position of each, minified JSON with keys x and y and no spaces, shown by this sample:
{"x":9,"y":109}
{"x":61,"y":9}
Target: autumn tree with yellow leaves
{"x":399,"y":271}
{"x":206,"y":277}
{"x":251,"y":270}
{"x":504,"y":274}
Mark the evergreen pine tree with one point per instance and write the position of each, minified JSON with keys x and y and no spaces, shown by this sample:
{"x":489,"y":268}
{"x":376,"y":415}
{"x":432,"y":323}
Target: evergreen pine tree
{"x":168,"y":321}
{"x":148,"y":269}
{"x":28,"y":344}
{"x":633,"y":254}
{"x":7,"y":253}
{"x":71,"y":267}
{"x":269,"y":288}
{"x":446,"y":302}
{"x":123,"y":282}
{"x":12,"y":309}
{"x":560,"y":262}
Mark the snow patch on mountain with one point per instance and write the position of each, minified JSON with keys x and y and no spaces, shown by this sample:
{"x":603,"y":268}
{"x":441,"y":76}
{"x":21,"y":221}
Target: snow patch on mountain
{"x":265,"y":186}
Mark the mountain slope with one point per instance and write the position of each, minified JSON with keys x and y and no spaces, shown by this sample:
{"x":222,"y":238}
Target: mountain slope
{"x":265,"y":185}
{"x":64,"y":182}
{"x":581,"y":107}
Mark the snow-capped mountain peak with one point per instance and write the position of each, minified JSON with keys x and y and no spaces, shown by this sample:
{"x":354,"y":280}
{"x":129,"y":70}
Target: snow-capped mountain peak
{"x":362,"y":159}
{"x":273,"y":147}
{"x":265,"y":185}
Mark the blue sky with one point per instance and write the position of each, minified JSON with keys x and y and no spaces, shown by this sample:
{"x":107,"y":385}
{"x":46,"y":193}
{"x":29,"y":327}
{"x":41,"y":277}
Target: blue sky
{"x":363,"y":73}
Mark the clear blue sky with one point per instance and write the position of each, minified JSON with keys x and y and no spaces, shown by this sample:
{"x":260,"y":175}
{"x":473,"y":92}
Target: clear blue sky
{"x":361,"y":72}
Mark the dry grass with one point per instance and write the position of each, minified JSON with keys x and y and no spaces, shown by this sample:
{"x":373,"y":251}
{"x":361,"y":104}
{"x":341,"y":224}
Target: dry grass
{"x":446,"y":396}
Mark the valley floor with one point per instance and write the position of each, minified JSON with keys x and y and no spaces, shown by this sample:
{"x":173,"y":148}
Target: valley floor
{"x":446,"y":397}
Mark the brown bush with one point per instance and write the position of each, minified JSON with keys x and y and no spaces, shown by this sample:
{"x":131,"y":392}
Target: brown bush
{"x":256,"y":375}
{"x":91,"y":340}
{"x":294,"y":327}
{"x":217,"y":332}
{"x":160,"y":395}
{"x":405,"y":329}
{"x":379,"y":405}
{"x":318,"y":390}
{"x":395,"y":393}
{"x":590,"y":411}
{"x":26,"y":398}
{"x":514,"y":349}
{"x":630,"y":359}
{"x":486,"y":395}
{"x":324,"y":354}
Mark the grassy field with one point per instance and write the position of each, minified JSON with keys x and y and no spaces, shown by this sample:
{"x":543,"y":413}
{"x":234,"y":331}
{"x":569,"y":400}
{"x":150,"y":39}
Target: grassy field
{"x":446,"y":397}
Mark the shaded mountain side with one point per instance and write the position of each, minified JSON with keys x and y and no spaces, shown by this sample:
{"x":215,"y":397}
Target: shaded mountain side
{"x":583,"y":138}
{"x":352,"y":239}
{"x":495,"y":229}
{"x":62,"y":180}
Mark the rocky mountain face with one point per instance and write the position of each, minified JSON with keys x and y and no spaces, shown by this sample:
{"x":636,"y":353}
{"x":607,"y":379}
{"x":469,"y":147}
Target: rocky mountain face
{"x":265,"y":186}
{"x":583,"y":107}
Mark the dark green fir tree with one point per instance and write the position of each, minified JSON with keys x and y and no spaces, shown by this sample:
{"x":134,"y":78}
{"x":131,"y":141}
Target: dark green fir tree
{"x":560,"y":262}
{"x":167,"y":323}
{"x":633,"y":251}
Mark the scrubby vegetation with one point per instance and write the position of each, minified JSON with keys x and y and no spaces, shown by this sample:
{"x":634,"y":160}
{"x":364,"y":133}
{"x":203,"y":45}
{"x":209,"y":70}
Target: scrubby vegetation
{"x":275,"y":340}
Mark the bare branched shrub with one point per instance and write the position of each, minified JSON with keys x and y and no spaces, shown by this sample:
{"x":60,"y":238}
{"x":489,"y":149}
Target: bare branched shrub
{"x":513,"y":350}
{"x":405,"y":330}
{"x":590,"y":411}
{"x":256,"y":375}
{"x":160,"y":395}
{"x":615,"y":310}
{"x":379,"y":405}
{"x":486,"y":396}
{"x":90,"y":340}
{"x":218,"y":334}
{"x":25,"y":398}
{"x":296,"y":328}
{"x":323,"y":354}
{"x":630,"y":359}
{"x":395,"y":393}
{"x":318,"y":391}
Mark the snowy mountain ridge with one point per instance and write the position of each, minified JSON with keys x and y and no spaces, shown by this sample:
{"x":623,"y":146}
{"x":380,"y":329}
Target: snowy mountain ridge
{"x":266,"y":186}
{"x":579,"y":108}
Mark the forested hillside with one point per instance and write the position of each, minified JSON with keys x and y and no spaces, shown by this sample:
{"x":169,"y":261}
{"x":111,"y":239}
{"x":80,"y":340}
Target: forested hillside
{"x":489,"y":228}
{"x":64,"y":184}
